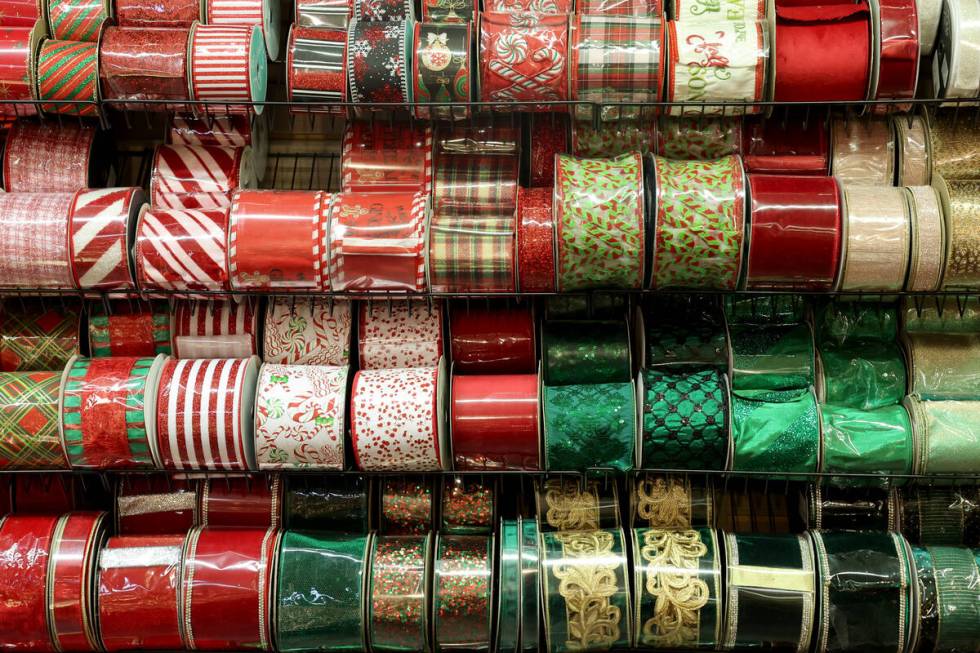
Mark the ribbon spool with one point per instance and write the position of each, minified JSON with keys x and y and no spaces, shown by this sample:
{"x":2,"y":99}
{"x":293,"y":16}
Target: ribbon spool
{"x":68,"y":71}
{"x":142,"y":66}
{"x":462,"y":578}
{"x":955,"y":155}
{"x":613,"y":139}
{"x":693,"y":334}
{"x":914,"y":151}
{"x":943,"y":430}
{"x":796,"y":232}
{"x":33,"y":230}
{"x":27,"y":541}
{"x":689,"y":563}
{"x":299,"y":417}
{"x":99,"y":237}
{"x":633,"y":47}
{"x":321,"y":583}
{"x":397,"y":605}
{"x":223,"y":131}
{"x":868,"y":600}
{"x":76,"y":21}
{"x":155,"y":505}
{"x":18,"y":72}
{"x":698,"y":138}
{"x":897,"y":56}
{"x":377,"y":242}
{"x":147,"y":613}
{"x":940,"y":365}
{"x":468,"y":507}
{"x":941,"y":515}
{"x":492,"y":340}
{"x":864,"y":152}
{"x":700,"y":216}
{"x":763,"y":574}
{"x":599,"y":221}
{"x":956,"y":60}
{"x":414,"y":397}
{"x":799,"y":148}
{"x":227,"y":64}
{"x":564,"y":504}
{"x":540,"y":7}
{"x":383,"y":10}
{"x":866,"y":441}
{"x":42,"y":494}
{"x":941,"y":316}
{"x":928,"y":12}
{"x":341,"y":501}
{"x":263,"y":15}
{"x":669,"y":502}
{"x":864,"y":375}
{"x":956,"y":594}
{"x":928,"y":598}
{"x":589,"y":426}
{"x":585,"y":351}
{"x":156,"y":14}
{"x":523,"y":61}
{"x":292,"y":259}
{"x":78,"y":539}
{"x":772,"y":357}
{"x":199,"y":176}
{"x":961,"y":206}
{"x":494,"y":422}
{"x":548,"y":136}
{"x":400,"y":335}
{"x":685,"y":419}
{"x":876,"y":250}
{"x":599,"y":559}
{"x":851,"y":509}
{"x":451,"y":11}
{"x":21,"y":13}
{"x":315,"y":58}
{"x":407,"y":505}
{"x":29,"y":417}
{"x":717,"y":62}
{"x":775,"y":431}
{"x":38,"y":337}
{"x":222,"y":329}
{"x":535,"y":240}
{"x":30,"y":153}
{"x":305,"y":331}
{"x":181,"y":249}
{"x":326,"y":14}
{"x":509,"y":585}
{"x":108,"y":412}
{"x":204,"y":410}
{"x":371,"y":47}
{"x":377,"y":157}
{"x":530,"y":591}
{"x":441,"y":63}
{"x":621,"y":7}
{"x":227,"y":572}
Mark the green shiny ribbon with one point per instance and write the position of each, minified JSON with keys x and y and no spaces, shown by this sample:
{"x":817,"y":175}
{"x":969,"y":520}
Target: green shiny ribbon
{"x":958,"y":590}
{"x":685,"y":419}
{"x":320,"y":593}
{"x":530,"y":586}
{"x":509,"y":616}
{"x":945,"y":366}
{"x":863,"y":374}
{"x":842,"y":322}
{"x":770,"y":310}
{"x":588,"y":426}
{"x":398,"y":603}
{"x":772,"y":358}
{"x":335,"y":503}
{"x":948,"y":433}
{"x":585,"y":352}
{"x":942,"y":315}
{"x":586,"y":591}
{"x":867,"y":441}
{"x":775,"y":431}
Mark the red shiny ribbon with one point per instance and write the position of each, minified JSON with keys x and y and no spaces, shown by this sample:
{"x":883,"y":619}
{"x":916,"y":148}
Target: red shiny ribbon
{"x":492,"y":340}
{"x":495,"y":421}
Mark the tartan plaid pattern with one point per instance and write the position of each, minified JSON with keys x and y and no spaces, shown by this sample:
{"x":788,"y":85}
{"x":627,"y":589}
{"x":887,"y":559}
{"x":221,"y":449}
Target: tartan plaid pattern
{"x":480,"y":183}
{"x":616,"y":59}
{"x":29,"y":421}
{"x":620,"y":7}
{"x":471,"y":253}
{"x":38,"y":338}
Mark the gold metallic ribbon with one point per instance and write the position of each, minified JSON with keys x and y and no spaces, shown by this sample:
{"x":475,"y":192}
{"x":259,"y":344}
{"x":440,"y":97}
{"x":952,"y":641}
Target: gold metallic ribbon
{"x":955,"y":145}
{"x":963,"y":222}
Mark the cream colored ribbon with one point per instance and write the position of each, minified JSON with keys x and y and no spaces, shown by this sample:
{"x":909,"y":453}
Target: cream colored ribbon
{"x":878,"y":234}
{"x":928,"y":239}
{"x":864,"y":151}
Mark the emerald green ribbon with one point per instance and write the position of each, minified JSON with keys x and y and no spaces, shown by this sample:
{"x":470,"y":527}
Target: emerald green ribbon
{"x":845,"y":322}
{"x":958,"y":589}
{"x":867,"y":441}
{"x":585,"y":352}
{"x":775,"y":431}
{"x":588,"y":426}
{"x":863,"y":374}
{"x":772,"y":358}
{"x":509,"y":617}
{"x":530,"y":586}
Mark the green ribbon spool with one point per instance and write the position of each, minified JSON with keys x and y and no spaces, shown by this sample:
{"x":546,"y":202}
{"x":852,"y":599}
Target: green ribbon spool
{"x":948,"y":432}
{"x":844,"y":322}
{"x":586,"y":590}
{"x":320,"y":592}
{"x":958,"y":591}
{"x":944,"y":366}
{"x":942,"y":515}
{"x":864,"y":374}
{"x":335,"y":503}
{"x":775,"y":431}
{"x":678,"y":586}
{"x":509,"y":586}
{"x":865,"y":592}
{"x":770,"y":310}
{"x":606,"y":306}
{"x":685,"y":419}
{"x":397,"y":602}
{"x":942,"y":315}
{"x":685,"y":331}
{"x":928,"y":599}
{"x":588,"y":426}
{"x":585,"y":352}
{"x":530,"y":586}
{"x":772,"y":358}
{"x":867,"y":441}
{"x":461,"y":586}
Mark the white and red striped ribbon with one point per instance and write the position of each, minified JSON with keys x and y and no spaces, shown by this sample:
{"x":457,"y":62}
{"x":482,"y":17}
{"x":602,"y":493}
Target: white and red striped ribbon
{"x":223,"y":329}
{"x":261,"y":13}
{"x":220,"y":131}
{"x":198,"y":177}
{"x":201,"y":411}
{"x":220,"y":65}
{"x":182,"y":249}
{"x":99,"y":222}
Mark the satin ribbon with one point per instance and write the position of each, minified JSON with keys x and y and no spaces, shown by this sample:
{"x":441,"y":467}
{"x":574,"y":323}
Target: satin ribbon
{"x":494,"y":421}
{"x":941,"y":365}
{"x":585,"y":352}
{"x":401,"y":334}
{"x":26,"y":541}
{"x":468,"y":506}
{"x":492,"y":340}
{"x":341,"y":501}
{"x":41,"y":158}
{"x":956,"y":58}
{"x":962,"y":269}
{"x":380,"y":157}
{"x":530,"y":587}
{"x":876,"y":254}
{"x":304,"y":331}
{"x":928,"y":239}
{"x":38,"y":336}
{"x":75,"y":547}
{"x":775,"y":431}
{"x":462,"y":577}
{"x":400,"y":567}
{"x":588,"y":426}
{"x":29,"y":421}
{"x":33,"y":233}
{"x":864,"y":152}
{"x":898,"y":50}
{"x":799,"y":147}
{"x":241,"y":502}
{"x":149,"y":63}
{"x":535,"y":240}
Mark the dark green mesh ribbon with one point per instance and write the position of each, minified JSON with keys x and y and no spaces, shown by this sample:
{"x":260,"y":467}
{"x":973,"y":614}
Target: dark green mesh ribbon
{"x":589,"y":426}
{"x":585,"y":352}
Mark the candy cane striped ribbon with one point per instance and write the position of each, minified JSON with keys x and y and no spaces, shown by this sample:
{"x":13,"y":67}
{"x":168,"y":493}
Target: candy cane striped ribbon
{"x":195,"y":177}
{"x":264,"y":14}
{"x":223,"y":329}
{"x":99,"y":223}
{"x":182,"y":249}
{"x":220,"y":64}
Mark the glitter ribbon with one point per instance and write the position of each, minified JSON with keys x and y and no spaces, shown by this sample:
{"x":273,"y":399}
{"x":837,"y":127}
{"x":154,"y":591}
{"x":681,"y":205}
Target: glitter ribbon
{"x":407,"y":505}
{"x":928,"y":239}
{"x":775,"y":431}
{"x":17,"y":67}
{"x":962,"y":268}
{"x":69,"y":71}
{"x":461,"y":587}
{"x":589,"y":426}
{"x":535,"y":240}
{"x":468,"y":506}
{"x":914,"y":151}
{"x":144,"y":64}
{"x":955,"y":154}
{"x":315,"y":65}
{"x":397,"y":603}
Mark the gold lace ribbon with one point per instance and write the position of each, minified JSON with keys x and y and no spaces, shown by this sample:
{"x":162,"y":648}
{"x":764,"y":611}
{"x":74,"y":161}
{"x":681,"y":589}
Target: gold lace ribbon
{"x":570,"y":508}
{"x":672,"y":580}
{"x":663,"y":502}
{"x":587,"y":581}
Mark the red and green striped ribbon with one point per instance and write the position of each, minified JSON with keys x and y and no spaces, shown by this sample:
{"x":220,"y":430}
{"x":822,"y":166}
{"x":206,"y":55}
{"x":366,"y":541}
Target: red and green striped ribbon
{"x":68,"y":70}
{"x":76,"y":20}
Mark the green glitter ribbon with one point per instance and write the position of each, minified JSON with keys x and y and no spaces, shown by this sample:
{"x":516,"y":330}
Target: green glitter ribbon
{"x":772,"y":358}
{"x":586,"y":592}
{"x":320,"y":593}
{"x":685,"y":419}
{"x":588,"y":426}
{"x":948,"y":433}
{"x":406,"y":505}
{"x":462,"y":579}
{"x":530,"y":586}
{"x":865,"y":587}
{"x":958,"y":590}
{"x":336,"y":503}
{"x":863,"y":374}
{"x":867,"y":441}
{"x":585,"y":352}
{"x":397,"y":601}
{"x":775,"y":431}
{"x":468,"y":506}
{"x":509,"y":615}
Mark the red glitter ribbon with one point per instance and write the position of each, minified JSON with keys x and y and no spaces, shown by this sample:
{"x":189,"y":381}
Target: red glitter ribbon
{"x":78,"y":539}
{"x":495,"y":421}
{"x":535,"y":239}
{"x":157,"y":13}
{"x":47,"y":158}
{"x":144,"y":64}
{"x":242,"y":502}
{"x":549,"y":135}
{"x":492,"y":340}
{"x":315,"y":66}
{"x":26,"y":545}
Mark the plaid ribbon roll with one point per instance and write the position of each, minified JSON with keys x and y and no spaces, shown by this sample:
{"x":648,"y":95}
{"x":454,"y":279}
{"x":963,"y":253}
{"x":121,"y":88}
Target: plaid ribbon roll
{"x":18,"y":46}
{"x":34,"y":336}
{"x":441,"y":62}
{"x":29,"y":421}
{"x":599,"y":218}
{"x":99,"y":223}
{"x":378,"y":68}
{"x":46,"y":158}
{"x":108,"y":412}
{"x":379,"y":157}
{"x":204,"y":414}
{"x":471,"y":252}
{"x":199,"y":176}
{"x":406,"y":335}
{"x":315,"y":66}
{"x":224,"y":329}
{"x":262,"y":14}
{"x":377,"y":241}
{"x":142,"y":329}
{"x":620,"y":7}
{"x":144,"y":64}
{"x":78,"y":539}
{"x":616,"y":59}
{"x":34,"y":240}
{"x":77,"y":20}
{"x":181,"y":249}
{"x":68,"y":70}
{"x":305,"y":331}
{"x":477,"y":184}
{"x":228,"y":64}
{"x":524,"y":57}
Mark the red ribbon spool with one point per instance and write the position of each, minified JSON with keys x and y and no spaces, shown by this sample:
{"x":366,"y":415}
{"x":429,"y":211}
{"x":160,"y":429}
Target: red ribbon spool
{"x":25,"y":541}
{"x":898,"y":69}
{"x":242,"y":503}
{"x":78,"y":540}
{"x":492,"y":340}
{"x":798,"y":147}
{"x":495,"y":422}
